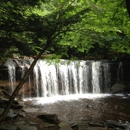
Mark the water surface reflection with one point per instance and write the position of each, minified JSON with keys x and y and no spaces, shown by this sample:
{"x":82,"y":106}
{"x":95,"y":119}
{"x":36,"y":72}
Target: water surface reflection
{"x":86,"y":108}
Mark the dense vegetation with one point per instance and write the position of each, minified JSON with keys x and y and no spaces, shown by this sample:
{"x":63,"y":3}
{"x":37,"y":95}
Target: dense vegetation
{"x":83,"y":28}
{"x":68,"y":29}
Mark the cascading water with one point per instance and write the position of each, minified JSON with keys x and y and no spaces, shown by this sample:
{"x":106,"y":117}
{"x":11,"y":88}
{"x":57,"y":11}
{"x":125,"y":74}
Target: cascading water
{"x":63,"y":78}
{"x":12,"y":76}
{"x":119,"y":72}
{"x":46,"y":81}
{"x":83,"y":75}
{"x":107,"y":76}
{"x":96,"y":76}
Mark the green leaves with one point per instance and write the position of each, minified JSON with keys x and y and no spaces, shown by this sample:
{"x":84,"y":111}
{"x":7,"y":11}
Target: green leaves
{"x":77,"y":27}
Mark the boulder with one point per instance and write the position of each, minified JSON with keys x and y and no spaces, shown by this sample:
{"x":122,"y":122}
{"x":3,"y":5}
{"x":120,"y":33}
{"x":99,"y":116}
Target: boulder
{"x":66,"y":127}
{"x":118,"y":88}
{"x":8,"y":127}
{"x":26,"y":127}
{"x":31,"y":110}
{"x":10,"y":113}
{"x":51,"y":118}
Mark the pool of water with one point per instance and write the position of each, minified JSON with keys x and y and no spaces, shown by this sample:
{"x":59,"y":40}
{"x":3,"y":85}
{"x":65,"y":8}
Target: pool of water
{"x":85,"y":108}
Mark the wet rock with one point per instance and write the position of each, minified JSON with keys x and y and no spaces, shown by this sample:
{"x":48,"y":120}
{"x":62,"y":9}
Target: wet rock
{"x":46,"y":124}
{"x":32,"y":123}
{"x":61,"y":124}
{"x":95,"y":128}
{"x":10,"y":113}
{"x":114,"y":124}
{"x":26,"y":127}
{"x":73,"y":125}
{"x":127,"y":125}
{"x":98,"y":124}
{"x":31,"y":110}
{"x":20,"y":123}
{"x":20,"y":101}
{"x":89,"y":106}
{"x":1,"y":92}
{"x":66,"y":127}
{"x":116,"y":88}
{"x":8,"y":127}
{"x":109,"y":124}
{"x":1,"y":111}
{"x":51,"y":118}
{"x":4,"y":101}
{"x":21,"y":114}
{"x":6,"y":94}
{"x":16,"y":106}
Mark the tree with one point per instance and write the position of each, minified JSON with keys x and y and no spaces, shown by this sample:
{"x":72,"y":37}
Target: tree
{"x":104,"y":27}
{"x":78,"y":26}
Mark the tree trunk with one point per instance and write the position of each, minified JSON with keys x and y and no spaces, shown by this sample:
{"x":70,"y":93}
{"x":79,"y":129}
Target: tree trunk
{"x":11,"y":100}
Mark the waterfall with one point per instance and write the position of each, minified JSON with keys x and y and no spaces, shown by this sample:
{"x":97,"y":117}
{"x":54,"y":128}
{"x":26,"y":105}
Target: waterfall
{"x":46,"y":81}
{"x":73,"y":77}
{"x":83,"y":77}
{"x":96,"y":76}
{"x":63,"y":78}
{"x":119,"y":72}
{"x":12,"y":78}
{"x":107,"y":76}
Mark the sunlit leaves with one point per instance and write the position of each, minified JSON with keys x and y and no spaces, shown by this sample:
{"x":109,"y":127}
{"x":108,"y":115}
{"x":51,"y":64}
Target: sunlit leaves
{"x":77,"y":26}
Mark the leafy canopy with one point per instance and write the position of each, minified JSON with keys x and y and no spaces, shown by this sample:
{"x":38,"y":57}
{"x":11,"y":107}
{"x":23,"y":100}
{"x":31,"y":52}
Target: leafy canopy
{"x":81,"y":28}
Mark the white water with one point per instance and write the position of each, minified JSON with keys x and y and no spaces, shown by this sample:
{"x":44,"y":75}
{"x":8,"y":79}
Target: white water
{"x":96,"y":76}
{"x":58,"y":98}
{"x":12,"y":78}
{"x":52,"y":80}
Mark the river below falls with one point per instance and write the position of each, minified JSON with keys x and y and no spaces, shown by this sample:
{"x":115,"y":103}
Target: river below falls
{"x":86,"y":108}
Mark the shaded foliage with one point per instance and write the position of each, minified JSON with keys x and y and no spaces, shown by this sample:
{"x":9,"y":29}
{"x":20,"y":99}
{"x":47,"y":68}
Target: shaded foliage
{"x":83,"y":26}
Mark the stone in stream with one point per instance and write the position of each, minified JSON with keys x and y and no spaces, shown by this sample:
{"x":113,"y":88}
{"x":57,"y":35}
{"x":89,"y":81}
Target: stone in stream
{"x":61,"y":124}
{"x":96,"y":128}
{"x":51,"y":118}
{"x":32,"y":123}
{"x":97,"y":124}
{"x":26,"y":127}
{"x":10,"y":113}
{"x":4,"y":94}
{"x":116,"y":88}
{"x":20,"y":123}
{"x":66,"y":127}
{"x":30,"y":110}
{"x":114,"y":124}
{"x":4,"y":101}
{"x":8,"y":127}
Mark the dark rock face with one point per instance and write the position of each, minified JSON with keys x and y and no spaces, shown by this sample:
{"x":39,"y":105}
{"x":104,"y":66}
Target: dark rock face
{"x":118,"y":88}
{"x":120,"y":73}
